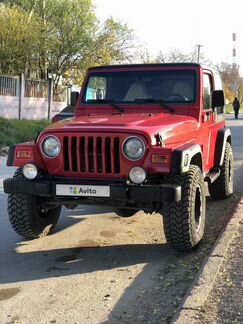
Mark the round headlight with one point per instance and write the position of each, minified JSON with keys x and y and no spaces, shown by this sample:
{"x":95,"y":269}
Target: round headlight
{"x":133,"y":148}
{"x":51,"y":146}
{"x":30,"y":171}
{"x":137,"y":175}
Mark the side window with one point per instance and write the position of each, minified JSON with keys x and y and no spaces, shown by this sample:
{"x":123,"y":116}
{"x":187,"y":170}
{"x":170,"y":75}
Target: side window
{"x":217,"y":82}
{"x":218,"y":86}
{"x":207,"y":90}
{"x":96,"y":88}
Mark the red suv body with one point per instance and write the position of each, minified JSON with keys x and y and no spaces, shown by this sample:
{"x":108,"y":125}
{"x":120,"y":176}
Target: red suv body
{"x":144,"y":137}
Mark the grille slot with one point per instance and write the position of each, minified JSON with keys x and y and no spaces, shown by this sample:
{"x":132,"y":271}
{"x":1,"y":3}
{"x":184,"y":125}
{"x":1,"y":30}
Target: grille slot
{"x":74,"y":154}
{"x":91,"y":154}
{"x":99,"y":154}
{"x":65,"y":154}
{"x":117,"y":154}
{"x":108,"y":155}
{"x":82,"y":154}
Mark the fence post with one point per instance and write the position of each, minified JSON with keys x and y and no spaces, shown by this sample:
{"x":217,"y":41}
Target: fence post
{"x":68,"y":93}
{"x":21,"y":93}
{"x":50,"y":96}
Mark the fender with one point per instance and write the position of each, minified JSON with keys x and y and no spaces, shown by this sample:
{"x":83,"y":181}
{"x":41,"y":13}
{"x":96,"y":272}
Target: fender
{"x":224,"y":136}
{"x":19,"y":161}
{"x":182,"y":157}
{"x":11,"y":153}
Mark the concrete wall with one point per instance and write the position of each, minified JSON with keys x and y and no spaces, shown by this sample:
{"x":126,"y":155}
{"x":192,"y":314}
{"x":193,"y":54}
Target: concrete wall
{"x":32,"y":108}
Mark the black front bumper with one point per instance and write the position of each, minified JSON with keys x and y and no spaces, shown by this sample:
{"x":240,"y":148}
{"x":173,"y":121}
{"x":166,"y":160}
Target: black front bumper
{"x":145,"y":193}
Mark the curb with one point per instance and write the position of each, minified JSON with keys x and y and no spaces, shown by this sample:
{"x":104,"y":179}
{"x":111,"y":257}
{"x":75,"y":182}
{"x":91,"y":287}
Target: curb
{"x":203,"y":283}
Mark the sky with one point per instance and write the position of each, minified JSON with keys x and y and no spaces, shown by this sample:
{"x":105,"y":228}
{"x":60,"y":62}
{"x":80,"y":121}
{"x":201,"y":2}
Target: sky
{"x":163,"y":25}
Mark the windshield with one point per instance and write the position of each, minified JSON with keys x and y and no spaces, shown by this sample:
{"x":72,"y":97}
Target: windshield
{"x":169,"y":86}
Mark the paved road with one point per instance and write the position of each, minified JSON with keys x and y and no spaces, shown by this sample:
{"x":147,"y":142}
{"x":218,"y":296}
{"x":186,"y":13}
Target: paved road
{"x":102,"y":269}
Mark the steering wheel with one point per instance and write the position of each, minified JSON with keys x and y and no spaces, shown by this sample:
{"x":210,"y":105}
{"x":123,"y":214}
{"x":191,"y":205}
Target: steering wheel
{"x":175,"y":96}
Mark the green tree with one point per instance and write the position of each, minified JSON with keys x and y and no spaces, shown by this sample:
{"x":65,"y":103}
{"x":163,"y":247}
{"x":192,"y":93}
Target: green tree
{"x":70,"y":35}
{"x":67,"y":29}
{"x":233,"y":83}
{"x":112,"y":43}
{"x":70,"y":38}
{"x":19,"y":39}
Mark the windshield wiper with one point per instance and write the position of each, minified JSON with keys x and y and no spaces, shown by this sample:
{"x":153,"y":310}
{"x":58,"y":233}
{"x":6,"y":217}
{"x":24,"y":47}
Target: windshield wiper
{"x":158,"y":101}
{"x":107,"y":101}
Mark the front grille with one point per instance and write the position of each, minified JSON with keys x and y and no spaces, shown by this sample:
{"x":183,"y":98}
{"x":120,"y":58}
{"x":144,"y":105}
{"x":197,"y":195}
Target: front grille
{"x":91,"y":154}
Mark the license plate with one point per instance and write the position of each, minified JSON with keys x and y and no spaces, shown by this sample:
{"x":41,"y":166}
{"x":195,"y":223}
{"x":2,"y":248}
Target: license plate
{"x":83,"y":190}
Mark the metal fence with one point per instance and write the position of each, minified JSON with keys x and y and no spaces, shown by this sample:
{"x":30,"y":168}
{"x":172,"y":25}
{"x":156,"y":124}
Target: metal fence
{"x":36,"y":88}
{"x":9,"y":85}
{"x":18,"y":86}
{"x":61,"y":94}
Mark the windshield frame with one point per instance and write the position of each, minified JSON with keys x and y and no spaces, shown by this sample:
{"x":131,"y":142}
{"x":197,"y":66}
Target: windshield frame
{"x":134,"y":102}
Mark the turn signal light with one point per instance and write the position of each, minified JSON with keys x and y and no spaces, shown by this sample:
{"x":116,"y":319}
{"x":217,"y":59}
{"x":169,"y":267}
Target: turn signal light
{"x":163,"y":159}
{"x":23,"y":154}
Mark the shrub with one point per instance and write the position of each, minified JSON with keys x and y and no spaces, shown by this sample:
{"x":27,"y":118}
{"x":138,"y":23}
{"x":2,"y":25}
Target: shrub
{"x":17,"y":131}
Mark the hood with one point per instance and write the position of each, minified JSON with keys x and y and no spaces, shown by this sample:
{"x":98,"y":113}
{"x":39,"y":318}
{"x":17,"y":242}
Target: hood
{"x":167,"y":125}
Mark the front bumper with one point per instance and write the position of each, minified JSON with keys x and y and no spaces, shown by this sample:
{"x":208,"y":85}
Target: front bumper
{"x":124,"y":192}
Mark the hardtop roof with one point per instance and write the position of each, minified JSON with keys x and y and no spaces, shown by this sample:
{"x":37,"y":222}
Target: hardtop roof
{"x":102,"y":67}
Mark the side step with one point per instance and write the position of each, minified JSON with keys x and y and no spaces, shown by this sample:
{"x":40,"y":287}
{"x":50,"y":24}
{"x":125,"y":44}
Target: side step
{"x":213,"y":175}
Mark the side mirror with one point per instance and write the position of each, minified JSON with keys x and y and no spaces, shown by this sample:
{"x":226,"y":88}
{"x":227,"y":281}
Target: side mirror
{"x":217,"y":98}
{"x":74,"y":98}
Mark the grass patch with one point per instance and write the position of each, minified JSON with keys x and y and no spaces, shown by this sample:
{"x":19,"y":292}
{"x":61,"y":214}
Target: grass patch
{"x":229,"y":108}
{"x":13,"y":131}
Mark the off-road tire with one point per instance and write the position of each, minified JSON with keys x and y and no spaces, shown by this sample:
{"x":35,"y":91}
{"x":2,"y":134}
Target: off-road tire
{"x":184,"y":221}
{"x":26,"y":217}
{"x":125,"y":212}
{"x":222,"y":187}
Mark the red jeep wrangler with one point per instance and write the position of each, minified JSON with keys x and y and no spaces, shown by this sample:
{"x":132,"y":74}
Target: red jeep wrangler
{"x":144,"y":137}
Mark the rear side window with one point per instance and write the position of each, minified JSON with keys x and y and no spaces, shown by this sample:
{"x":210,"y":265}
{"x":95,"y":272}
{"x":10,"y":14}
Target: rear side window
{"x":207,"y":90}
{"x":217,"y":82}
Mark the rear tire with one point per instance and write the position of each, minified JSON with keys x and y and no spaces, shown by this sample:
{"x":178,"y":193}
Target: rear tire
{"x":184,"y":221}
{"x":26,"y":216}
{"x":222,"y":187}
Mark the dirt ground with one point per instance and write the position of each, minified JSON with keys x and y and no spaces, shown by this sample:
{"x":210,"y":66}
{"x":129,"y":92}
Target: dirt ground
{"x":99,"y":268}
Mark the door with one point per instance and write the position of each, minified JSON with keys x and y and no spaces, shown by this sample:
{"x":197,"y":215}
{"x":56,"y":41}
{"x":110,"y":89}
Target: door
{"x":212,"y":120}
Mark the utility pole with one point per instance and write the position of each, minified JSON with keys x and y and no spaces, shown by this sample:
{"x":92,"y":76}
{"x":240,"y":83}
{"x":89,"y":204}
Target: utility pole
{"x":198,"y":52}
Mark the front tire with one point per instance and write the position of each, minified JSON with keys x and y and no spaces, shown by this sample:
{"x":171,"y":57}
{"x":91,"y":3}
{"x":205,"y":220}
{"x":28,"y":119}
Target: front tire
{"x":222,"y":187}
{"x":184,"y":221}
{"x":26,"y":216}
